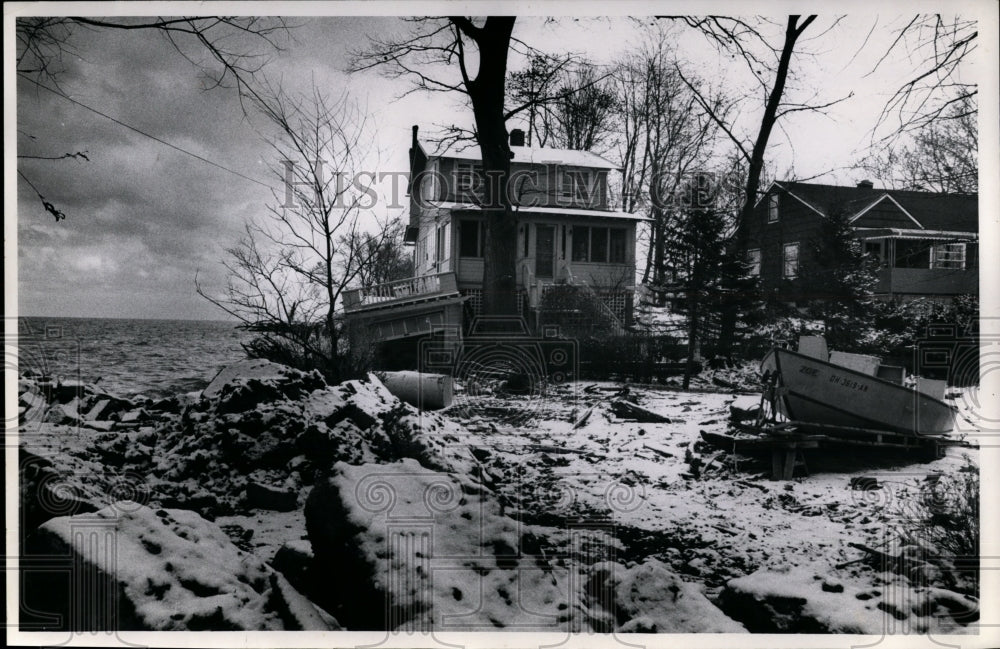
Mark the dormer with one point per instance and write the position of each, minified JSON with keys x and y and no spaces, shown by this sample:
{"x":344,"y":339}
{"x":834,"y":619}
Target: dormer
{"x":539,"y":177}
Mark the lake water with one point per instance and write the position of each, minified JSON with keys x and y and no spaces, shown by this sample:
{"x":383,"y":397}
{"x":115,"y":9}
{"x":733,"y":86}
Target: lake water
{"x":127,"y":357}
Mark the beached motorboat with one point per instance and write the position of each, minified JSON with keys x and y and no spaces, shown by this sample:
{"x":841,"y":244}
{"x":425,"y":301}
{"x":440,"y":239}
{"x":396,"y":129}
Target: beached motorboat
{"x":809,"y":388}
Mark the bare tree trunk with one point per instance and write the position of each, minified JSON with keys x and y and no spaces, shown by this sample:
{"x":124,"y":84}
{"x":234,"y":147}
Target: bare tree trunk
{"x":692,"y":347}
{"x":792,"y":32}
{"x":487,"y":94}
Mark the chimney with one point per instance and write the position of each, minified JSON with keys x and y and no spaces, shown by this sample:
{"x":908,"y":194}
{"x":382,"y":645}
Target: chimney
{"x":517,"y":137}
{"x":866,"y":184}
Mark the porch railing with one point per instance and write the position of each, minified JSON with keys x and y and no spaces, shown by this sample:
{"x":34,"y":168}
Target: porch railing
{"x":410,"y":288}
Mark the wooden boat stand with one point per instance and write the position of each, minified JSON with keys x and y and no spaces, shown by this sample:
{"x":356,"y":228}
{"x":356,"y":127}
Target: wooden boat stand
{"x":788,"y":440}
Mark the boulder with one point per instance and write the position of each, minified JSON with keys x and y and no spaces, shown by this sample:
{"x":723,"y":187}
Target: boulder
{"x":650,"y":598}
{"x":379,"y":531}
{"x":161,"y":570}
{"x":285,"y":380}
{"x":294,"y":560}
{"x":262,"y":496}
{"x":795,"y":601}
{"x":48,"y":491}
{"x":63,"y":414}
{"x":134,"y":417}
{"x":69,"y":389}
{"x":107,"y":407}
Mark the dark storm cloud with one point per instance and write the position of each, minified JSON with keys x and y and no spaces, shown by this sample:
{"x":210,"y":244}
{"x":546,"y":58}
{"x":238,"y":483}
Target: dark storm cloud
{"x":142,"y":218}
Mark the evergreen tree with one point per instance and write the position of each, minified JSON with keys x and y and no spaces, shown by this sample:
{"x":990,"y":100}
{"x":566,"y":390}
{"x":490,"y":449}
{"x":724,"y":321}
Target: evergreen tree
{"x":837,"y":282}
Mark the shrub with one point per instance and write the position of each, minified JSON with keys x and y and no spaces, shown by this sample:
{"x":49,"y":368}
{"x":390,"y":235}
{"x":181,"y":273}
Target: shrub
{"x":307,"y":347}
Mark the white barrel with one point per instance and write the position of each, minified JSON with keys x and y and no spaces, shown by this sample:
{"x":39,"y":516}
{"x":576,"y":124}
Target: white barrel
{"x":428,"y":391}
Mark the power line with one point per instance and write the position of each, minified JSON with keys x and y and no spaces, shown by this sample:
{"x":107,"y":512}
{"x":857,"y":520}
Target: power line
{"x":143,"y":133}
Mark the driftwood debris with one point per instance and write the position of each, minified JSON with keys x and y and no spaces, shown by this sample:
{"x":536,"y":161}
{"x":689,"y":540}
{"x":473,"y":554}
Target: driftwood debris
{"x":627,"y":410}
{"x":656,"y":448}
{"x":582,"y":420}
{"x":744,"y":483}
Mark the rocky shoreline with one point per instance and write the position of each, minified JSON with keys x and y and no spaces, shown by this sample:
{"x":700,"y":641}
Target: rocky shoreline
{"x":271,"y":500}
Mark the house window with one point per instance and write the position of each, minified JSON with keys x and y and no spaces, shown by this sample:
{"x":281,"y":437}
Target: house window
{"x":468,"y":178}
{"x":599,"y":245}
{"x":617,"y":255}
{"x":440,"y":243}
{"x":575,"y":184}
{"x":791,"y":260}
{"x":470,"y":239}
{"x":772,"y":208}
{"x":753,"y":262}
{"x":581,"y":244}
{"x":875,"y":249}
{"x":948,"y":255}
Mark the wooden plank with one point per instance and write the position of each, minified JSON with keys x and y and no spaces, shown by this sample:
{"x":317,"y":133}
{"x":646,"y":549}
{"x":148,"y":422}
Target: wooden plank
{"x":777,"y":455}
{"x":789,"y":468}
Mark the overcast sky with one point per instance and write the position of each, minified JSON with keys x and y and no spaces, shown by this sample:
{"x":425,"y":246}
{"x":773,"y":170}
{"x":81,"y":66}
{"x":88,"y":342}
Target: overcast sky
{"x":142,"y":218}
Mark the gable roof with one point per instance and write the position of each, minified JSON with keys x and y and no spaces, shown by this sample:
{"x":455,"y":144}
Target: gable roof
{"x":532,"y":155}
{"x":928,"y":210}
{"x":886,"y":198}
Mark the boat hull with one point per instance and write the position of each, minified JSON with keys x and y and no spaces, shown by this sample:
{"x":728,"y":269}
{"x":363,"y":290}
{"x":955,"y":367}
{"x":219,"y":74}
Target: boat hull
{"x":813,"y":391}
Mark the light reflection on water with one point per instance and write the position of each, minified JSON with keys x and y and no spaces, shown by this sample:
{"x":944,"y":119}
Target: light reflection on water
{"x":150,"y":357}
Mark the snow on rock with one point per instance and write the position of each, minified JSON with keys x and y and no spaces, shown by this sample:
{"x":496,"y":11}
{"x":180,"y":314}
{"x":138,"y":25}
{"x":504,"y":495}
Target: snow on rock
{"x":165,"y":570}
{"x":259,"y":372}
{"x":398,"y":546}
{"x":652,"y":599}
{"x":806,"y":600}
{"x":294,"y":560}
{"x":286,"y":427}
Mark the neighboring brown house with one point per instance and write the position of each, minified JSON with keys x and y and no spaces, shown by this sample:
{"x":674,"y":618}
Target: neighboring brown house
{"x":927,"y":242}
{"x":567,"y":234}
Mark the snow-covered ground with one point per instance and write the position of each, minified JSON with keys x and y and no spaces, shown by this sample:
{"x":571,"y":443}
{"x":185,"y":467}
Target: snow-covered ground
{"x":553,"y":507}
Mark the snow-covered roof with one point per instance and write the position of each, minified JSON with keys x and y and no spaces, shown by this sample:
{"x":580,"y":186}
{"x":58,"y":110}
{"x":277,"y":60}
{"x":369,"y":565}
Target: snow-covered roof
{"x":541,"y":209}
{"x":532,"y":155}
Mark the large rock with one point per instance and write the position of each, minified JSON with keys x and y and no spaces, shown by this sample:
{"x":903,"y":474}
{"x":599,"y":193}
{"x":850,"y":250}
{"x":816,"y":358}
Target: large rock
{"x":48,"y":490}
{"x":243,"y":384}
{"x":804,"y":600}
{"x":401,"y":547}
{"x":262,"y":496}
{"x":160,"y":570}
{"x":649,"y":598}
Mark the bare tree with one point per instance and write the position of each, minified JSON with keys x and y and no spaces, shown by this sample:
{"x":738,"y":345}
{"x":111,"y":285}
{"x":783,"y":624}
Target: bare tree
{"x":584,"y":108}
{"x":388,"y":257}
{"x":459,"y":42}
{"x":531,"y":87}
{"x":938,"y":46}
{"x":663,"y":134}
{"x":941,"y":157}
{"x":746,"y":40}
{"x":286,"y":277}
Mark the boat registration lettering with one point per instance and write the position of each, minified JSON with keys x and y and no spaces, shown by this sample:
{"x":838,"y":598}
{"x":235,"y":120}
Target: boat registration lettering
{"x":810,"y":371}
{"x":848,"y":383}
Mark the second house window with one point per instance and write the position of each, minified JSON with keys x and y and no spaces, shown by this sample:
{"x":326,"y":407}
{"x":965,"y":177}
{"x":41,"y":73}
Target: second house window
{"x":470,"y":239}
{"x":599,"y":245}
{"x":791,"y":259}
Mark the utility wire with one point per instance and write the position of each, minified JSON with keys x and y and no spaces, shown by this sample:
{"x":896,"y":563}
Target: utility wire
{"x":143,"y":133}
